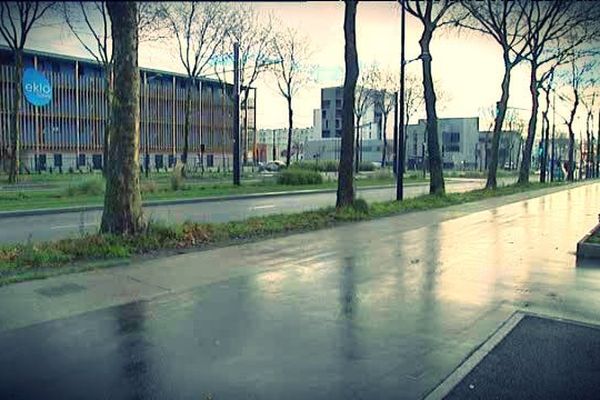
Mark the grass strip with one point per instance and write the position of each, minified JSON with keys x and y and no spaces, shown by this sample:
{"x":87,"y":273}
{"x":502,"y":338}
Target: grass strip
{"x":90,"y":193}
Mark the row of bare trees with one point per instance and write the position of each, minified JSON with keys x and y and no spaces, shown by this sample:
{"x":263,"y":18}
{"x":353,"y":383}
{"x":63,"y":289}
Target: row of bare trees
{"x":205,"y":33}
{"x":545,"y":35}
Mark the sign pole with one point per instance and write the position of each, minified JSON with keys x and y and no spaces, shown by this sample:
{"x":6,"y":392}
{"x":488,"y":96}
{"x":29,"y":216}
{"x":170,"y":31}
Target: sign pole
{"x":37,"y":129}
{"x":400,"y":149}
{"x":236,"y":114}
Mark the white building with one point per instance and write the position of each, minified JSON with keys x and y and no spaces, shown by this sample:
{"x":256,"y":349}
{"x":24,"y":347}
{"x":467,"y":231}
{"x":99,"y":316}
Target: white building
{"x":316,"y":123}
{"x":331,"y":116}
{"x":279,"y":138}
{"x":329,"y":149}
{"x":458,"y":139}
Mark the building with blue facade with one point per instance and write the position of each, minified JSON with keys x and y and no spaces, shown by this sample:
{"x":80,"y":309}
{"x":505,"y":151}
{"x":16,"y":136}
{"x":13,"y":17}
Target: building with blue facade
{"x":69,"y":131}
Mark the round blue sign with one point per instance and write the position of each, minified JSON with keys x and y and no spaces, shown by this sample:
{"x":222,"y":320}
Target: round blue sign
{"x":37,"y":89}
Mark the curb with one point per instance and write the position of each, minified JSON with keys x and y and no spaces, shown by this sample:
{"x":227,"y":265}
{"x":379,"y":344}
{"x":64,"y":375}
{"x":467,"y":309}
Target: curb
{"x":157,"y":203}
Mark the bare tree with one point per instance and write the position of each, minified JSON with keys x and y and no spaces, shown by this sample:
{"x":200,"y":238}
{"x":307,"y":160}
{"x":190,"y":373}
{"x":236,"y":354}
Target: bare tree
{"x":588,"y":101}
{"x":413,"y":97}
{"x":546,"y":85}
{"x":345,"y":191}
{"x":364,"y":98}
{"x":504,"y":22}
{"x":385,"y":83}
{"x":220,"y":68}
{"x":292,"y":71}
{"x":576,"y":77}
{"x":123,"y":201}
{"x":199,"y":28}
{"x":16,"y":21}
{"x":414,"y":100}
{"x":430,"y":14}
{"x":554,"y":30}
{"x":254,"y":34}
{"x":92,"y":18}
{"x":89,"y":23}
{"x":517,"y":125}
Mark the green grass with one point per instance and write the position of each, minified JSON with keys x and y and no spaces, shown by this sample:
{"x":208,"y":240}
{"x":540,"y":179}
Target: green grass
{"x":297,"y":177}
{"x":36,"y":260}
{"x":89,"y":191}
{"x":594,"y":238}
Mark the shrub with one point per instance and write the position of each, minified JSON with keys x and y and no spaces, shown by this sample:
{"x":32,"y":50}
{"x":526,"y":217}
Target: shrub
{"x":360,"y":205}
{"x":149,"y":187}
{"x":177,"y":177}
{"x":357,"y":211}
{"x":382,"y":174}
{"x":93,"y":246}
{"x":90,"y":187}
{"x":299,"y":177}
{"x":366,"y":166}
{"x":321,"y":166}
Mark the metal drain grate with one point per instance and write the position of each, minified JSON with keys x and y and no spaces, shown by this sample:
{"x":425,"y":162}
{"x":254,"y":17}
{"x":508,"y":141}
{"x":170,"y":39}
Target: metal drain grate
{"x":60,"y":290}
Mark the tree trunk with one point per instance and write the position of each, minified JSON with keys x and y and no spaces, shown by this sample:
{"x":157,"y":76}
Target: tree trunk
{"x":358,"y":144}
{"x":245,"y":132}
{"x":122,"y":201}
{"x":526,"y":159}
{"x":597,"y":163}
{"x":290,"y":129}
{"x":571,"y":155}
{"x":107,"y":97}
{"x":383,"y":154}
{"x":436,"y":179}
{"x":546,"y":137}
{"x":492,"y":182}
{"x":186,"y":125}
{"x":587,"y":150}
{"x":15,"y":151}
{"x":405,"y":141}
{"x":345,"y":191}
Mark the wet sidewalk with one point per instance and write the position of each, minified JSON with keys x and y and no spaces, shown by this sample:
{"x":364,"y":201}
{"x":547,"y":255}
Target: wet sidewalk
{"x":378,"y":309}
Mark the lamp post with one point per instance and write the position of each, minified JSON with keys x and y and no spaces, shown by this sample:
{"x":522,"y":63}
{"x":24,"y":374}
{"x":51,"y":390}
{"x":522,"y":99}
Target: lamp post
{"x":552,"y":157}
{"x":274,"y":147}
{"x":400,"y":150}
{"x":236,"y":114}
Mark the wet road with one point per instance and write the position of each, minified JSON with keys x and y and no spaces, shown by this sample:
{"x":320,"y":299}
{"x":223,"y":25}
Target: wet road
{"x":56,"y":226}
{"x":375,"y":310}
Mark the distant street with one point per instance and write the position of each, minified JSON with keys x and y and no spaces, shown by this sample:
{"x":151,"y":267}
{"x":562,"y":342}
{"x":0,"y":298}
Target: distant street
{"x":55,"y":226}
{"x":382,"y":309}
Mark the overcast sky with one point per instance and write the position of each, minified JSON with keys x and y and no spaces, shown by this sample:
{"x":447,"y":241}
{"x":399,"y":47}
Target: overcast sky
{"x":468,"y":66}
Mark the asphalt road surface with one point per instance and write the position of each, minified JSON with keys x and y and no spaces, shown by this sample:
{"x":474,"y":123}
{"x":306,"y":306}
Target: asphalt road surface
{"x":381,"y":309}
{"x":58,"y":226}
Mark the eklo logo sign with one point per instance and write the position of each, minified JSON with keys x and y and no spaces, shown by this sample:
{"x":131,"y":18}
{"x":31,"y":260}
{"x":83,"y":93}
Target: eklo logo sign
{"x":36,"y":87}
